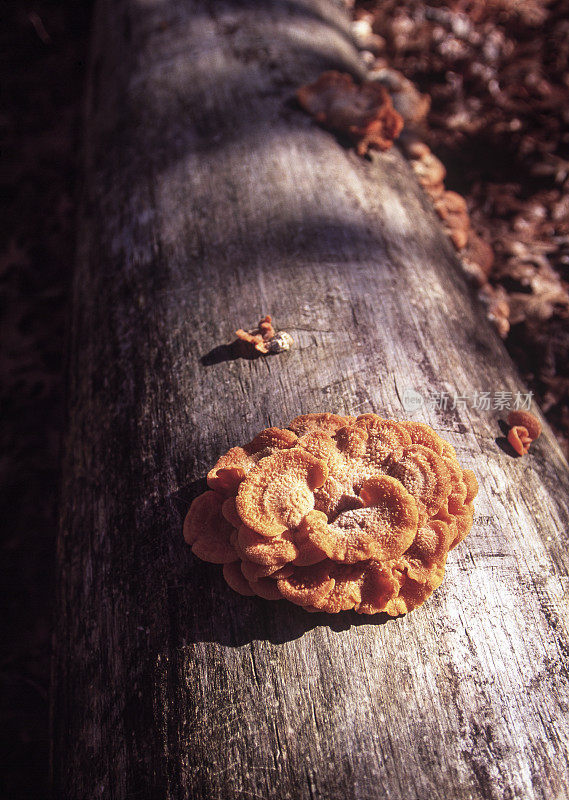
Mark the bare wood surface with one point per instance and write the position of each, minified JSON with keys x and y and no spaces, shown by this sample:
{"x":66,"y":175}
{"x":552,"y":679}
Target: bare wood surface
{"x":210,"y":199}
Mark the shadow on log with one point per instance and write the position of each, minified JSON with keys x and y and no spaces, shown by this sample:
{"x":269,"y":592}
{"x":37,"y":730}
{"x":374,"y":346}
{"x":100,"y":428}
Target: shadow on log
{"x":209,"y":200}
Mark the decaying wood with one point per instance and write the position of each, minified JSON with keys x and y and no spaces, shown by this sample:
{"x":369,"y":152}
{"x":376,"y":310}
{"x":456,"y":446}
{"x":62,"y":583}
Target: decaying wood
{"x":210,"y":200}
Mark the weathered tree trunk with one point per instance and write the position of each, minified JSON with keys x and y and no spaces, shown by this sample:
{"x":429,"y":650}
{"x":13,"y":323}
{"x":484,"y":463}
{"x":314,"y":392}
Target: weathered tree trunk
{"x":210,"y":199}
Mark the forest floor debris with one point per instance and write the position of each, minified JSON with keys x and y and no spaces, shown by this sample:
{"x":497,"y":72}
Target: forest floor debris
{"x":488,"y":85}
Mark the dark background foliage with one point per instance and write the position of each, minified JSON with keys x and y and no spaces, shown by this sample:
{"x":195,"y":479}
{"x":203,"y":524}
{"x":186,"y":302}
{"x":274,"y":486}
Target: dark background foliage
{"x":42,"y":68}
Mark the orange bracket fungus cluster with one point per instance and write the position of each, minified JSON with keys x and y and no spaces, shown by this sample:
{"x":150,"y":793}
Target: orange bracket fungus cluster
{"x":264,"y":338}
{"x":524,"y":429}
{"x":364,"y":112}
{"x":335,"y":513}
{"x":476,"y":255}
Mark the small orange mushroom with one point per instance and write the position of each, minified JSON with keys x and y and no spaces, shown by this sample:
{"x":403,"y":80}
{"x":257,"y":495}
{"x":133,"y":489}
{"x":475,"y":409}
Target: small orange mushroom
{"x":426,"y":557}
{"x":471,"y":484}
{"x":265,"y":339}
{"x":267,"y":588}
{"x":380,"y":586}
{"x":230,"y":470}
{"x":275,"y":438}
{"x":524,"y":429}
{"x":229,"y":511}
{"x":520,"y":439}
{"x":260,"y":336}
{"x":308,"y":539}
{"x":459,"y":490}
{"x":463,"y":520}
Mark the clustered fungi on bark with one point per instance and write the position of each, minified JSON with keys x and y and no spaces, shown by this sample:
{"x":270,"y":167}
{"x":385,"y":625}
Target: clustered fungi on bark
{"x":335,"y":513}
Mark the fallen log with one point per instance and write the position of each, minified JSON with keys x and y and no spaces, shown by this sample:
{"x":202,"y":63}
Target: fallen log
{"x":209,"y":200}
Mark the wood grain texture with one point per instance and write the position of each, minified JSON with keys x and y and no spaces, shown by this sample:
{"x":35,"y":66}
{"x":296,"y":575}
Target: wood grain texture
{"x":210,"y":199}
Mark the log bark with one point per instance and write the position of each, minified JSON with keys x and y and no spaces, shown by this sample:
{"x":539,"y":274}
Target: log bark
{"x":209,"y":200}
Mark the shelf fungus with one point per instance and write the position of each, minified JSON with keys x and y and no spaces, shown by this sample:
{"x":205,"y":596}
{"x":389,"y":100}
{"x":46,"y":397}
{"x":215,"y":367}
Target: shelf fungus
{"x":524,"y":429}
{"x":264,"y":339}
{"x":364,"y":112}
{"x":336,"y":513}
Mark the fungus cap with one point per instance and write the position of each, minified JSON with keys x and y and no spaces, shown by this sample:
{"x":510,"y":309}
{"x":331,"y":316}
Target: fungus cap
{"x":524,"y":429}
{"x":279,"y":491}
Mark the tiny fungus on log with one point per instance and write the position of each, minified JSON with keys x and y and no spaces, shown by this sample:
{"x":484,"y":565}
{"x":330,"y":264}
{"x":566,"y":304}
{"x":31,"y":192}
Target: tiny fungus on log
{"x":364,"y":112}
{"x":265,"y":339}
{"x":524,"y":429}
